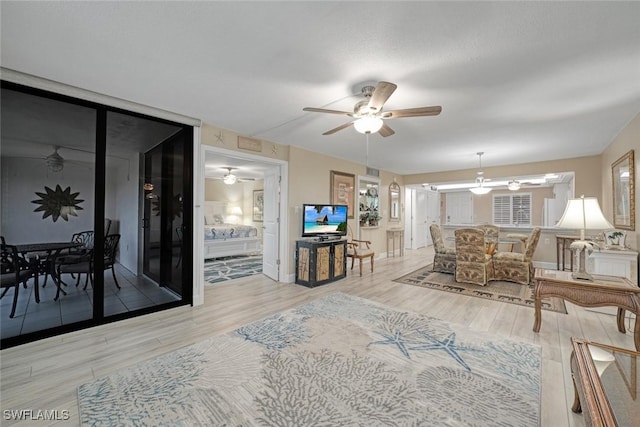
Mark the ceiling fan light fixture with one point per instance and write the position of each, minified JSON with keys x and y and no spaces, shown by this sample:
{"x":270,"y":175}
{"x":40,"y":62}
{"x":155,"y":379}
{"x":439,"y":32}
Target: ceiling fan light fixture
{"x":368,"y":124}
{"x":480,"y":189}
{"x":55,"y":162}
{"x":513,"y":185}
{"x":230,"y":179}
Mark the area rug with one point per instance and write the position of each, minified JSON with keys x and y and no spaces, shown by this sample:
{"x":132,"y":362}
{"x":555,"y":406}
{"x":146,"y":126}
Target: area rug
{"x":232,"y":267}
{"x":512,"y":293}
{"x":336,"y":361}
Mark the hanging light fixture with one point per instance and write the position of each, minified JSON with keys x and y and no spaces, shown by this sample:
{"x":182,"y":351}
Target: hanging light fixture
{"x":513,"y":185}
{"x":229,"y":178}
{"x":480,"y":188}
{"x":368,"y":124}
{"x":55,"y":162}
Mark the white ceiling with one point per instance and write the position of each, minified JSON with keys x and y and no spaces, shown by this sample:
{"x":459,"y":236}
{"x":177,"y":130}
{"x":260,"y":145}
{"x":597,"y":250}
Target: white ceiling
{"x":521,"y":81}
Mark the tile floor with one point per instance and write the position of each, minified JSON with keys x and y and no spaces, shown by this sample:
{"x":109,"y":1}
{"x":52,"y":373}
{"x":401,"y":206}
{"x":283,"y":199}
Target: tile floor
{"x":77,"y":305}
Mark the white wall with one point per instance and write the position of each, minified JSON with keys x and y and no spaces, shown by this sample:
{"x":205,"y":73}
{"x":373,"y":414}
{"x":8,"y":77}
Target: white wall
{"x":21,"y":178}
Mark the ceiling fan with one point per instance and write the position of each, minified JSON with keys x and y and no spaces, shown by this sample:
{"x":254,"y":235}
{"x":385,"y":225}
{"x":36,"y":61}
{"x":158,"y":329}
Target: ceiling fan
{"x":368,"y":115}
{"x":230,"y":178}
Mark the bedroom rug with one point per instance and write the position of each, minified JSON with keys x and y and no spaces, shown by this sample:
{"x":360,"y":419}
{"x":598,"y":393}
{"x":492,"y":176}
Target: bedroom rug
{"x":339,"y":360}
{"x":231,"y":267}
{"x":513,"y":293}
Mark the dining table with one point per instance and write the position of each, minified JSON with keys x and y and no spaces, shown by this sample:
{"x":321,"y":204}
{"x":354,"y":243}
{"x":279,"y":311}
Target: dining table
{"x":51,"y":250}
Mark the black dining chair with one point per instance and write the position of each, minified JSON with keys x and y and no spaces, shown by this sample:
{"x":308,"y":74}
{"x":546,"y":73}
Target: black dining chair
{"x":13,"y":273}
{"x":87,"y":265}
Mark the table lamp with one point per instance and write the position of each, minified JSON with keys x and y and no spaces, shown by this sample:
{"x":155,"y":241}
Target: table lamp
{"x":583,"y":214}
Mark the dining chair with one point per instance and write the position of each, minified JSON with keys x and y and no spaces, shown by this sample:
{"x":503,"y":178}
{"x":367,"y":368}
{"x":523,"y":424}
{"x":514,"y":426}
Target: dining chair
{"x":517,"y":267}
{"x":444,"y":258}
{"x":87,"y":265}
{"x":473,"y":264}
{"x":12,"y":273}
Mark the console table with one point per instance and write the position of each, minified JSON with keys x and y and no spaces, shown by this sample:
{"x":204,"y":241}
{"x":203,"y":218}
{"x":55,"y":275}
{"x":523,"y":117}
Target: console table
{"x":320,"y":262}
{"x":393,"y":234}
{"x":602,"y":291}
{"x":563,"y":242}
{"x":606,"y":391}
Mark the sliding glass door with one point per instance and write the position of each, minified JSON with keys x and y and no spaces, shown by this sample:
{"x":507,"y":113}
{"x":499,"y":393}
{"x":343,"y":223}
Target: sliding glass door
{"x":71,"y":167}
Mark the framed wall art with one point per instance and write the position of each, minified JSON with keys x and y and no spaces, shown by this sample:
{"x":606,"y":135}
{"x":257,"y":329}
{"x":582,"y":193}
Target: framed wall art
{"x":342,"y":190}
{"x":258,"y":205}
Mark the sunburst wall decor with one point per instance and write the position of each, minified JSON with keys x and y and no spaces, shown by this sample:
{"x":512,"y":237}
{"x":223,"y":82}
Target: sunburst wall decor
{"x":58,"y":203}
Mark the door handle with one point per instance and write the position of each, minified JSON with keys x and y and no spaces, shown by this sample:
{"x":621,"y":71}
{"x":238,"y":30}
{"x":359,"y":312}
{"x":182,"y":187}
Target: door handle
{"x":145,"y":223}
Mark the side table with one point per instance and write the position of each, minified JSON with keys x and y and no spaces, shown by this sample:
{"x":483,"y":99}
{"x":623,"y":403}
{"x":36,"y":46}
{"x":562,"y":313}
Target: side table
{"x":602,"y":291}
{"x":393,"y":234}
{"x":562,"y":247}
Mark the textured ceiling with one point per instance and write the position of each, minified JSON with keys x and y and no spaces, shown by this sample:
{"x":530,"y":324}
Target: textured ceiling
{"x":521,"y":81}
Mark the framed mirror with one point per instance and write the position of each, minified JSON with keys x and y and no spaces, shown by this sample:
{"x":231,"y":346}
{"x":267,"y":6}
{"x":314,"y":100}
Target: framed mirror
{"x":394,"y":202}
{"x":624,"y":204}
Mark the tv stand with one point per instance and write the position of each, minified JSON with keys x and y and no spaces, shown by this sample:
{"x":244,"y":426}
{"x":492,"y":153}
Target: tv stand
{"x":327,"y":238}
{"x":319,"y":262}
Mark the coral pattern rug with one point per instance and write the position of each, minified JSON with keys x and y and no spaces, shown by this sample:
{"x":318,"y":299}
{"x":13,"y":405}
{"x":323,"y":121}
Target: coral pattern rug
{"x":513,"y":293}
{"x":336,"y":361}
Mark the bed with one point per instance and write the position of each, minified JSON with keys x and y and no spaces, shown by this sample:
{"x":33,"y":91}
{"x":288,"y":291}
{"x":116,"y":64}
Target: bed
{"x":226,"y":239}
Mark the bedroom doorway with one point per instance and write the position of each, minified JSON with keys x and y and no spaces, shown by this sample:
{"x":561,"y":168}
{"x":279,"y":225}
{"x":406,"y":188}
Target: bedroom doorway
{"x":253,"y":203}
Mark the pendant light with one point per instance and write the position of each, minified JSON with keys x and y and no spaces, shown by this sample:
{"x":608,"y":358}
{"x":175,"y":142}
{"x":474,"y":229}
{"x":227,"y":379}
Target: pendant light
{"x":480,"y":189}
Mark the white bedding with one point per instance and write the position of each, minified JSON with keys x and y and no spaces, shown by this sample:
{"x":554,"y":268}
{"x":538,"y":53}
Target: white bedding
{"x":229,"y":231}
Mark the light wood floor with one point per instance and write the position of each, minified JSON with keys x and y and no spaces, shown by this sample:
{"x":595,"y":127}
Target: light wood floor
{"x":44,"y":375}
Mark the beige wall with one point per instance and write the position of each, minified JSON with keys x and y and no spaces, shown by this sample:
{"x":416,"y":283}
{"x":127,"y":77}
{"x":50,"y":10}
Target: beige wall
{"x":628,"y":139}
{"x":239,"y":195}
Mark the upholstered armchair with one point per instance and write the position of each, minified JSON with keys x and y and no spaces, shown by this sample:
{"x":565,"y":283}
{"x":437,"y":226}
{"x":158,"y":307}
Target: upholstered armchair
{"x":514,"y":266}
{"x":444,"y":260}
{"x":473,"y":264}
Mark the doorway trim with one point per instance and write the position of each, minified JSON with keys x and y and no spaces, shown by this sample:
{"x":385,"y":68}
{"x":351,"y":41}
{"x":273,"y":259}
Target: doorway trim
{"x":198,"y":213}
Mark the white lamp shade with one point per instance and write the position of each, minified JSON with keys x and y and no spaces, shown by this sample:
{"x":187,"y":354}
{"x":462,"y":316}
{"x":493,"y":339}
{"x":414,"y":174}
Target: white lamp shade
{"x":513,"y":185}
{"x":368,"y":124}
{"x":583,"y":214}
{"x":236,"y":210}
{"x":480,"y":190}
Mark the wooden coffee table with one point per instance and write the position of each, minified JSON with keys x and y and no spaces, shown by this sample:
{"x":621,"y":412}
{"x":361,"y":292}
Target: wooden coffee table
{"x":602,"y":291}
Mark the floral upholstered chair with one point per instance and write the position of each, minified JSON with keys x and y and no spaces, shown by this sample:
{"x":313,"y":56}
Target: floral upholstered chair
{"x":444,"y":260}
{"x":514,"y":266}
{"x":473,"y":264}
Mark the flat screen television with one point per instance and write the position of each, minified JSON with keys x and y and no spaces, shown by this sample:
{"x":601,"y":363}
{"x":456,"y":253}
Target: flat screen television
{"x":324,"y":220}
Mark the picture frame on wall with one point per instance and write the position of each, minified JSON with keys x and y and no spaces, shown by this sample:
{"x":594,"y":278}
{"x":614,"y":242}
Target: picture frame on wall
{"x":342,"y":188}
{"x":258,"y":205}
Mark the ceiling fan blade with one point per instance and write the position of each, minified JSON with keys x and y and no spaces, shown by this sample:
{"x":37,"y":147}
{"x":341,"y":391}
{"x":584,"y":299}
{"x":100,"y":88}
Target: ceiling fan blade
{"x":380,"y":95}
{"x":413,"y":112}
{"x":334,"y":130}
{"x":385,"y":130}
{"x":324,"y":110}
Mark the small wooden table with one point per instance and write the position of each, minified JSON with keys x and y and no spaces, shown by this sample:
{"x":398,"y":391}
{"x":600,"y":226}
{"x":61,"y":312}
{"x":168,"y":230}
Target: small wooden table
{"x":562,"y":247}
{"x":607,"y":394}
{"x":602,"y":291}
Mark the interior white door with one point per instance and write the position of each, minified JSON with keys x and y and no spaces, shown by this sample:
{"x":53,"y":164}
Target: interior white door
{"x":459,"y":208}
{"x":271,"y":223}
{"x":421,"y":223}
{"x":433,"y":212}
